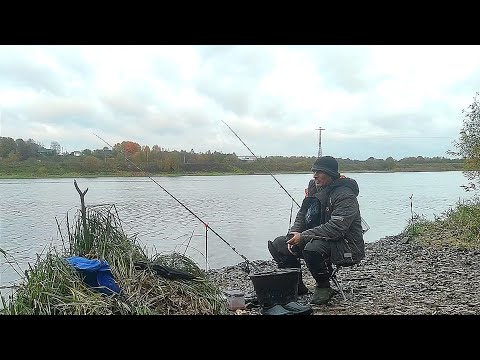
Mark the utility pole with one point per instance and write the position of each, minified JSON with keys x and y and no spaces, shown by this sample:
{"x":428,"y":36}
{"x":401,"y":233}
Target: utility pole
{"x":320,"y":141}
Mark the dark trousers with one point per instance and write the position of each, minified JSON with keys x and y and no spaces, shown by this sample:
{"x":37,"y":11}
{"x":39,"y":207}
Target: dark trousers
{"x":315,"y":252}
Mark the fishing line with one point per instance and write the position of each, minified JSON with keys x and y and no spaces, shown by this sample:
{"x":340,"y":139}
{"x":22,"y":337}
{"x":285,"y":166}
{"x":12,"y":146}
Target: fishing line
{"x":365,"y":226}
{"x":261,"y":162}
{"x":186,"y":208}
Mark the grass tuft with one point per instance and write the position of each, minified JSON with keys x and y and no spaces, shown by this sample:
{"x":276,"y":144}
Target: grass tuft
{"x":53,"y":287}
{"x":458,"y":227}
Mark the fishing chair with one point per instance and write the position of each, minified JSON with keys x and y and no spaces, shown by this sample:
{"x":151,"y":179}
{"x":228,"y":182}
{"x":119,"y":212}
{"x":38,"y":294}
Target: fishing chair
{"x":335,"y":280}
{"x":333,"y":277}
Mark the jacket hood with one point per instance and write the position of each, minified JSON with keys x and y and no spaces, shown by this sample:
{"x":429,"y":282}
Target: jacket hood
{"x":348,"y":182}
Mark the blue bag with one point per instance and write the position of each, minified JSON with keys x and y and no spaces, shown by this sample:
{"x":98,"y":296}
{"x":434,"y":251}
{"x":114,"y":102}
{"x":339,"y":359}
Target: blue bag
{"x":96,"y":273}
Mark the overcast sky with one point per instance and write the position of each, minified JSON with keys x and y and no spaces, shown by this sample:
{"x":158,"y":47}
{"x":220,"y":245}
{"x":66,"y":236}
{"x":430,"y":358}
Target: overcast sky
{"x":375,"y":101}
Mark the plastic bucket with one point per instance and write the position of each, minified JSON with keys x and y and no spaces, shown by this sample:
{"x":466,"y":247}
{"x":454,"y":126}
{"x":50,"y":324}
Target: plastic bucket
{"x":276,"y":287}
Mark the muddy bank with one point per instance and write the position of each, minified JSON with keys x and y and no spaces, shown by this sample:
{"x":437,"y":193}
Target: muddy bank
{"x":396,"y":277}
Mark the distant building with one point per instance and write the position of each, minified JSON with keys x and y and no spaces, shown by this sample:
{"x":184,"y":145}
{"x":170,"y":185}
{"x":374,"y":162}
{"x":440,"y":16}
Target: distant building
{"x":47,"y":151}
{"x":77,"y":153}
{"x":247,"y":158}
{"x":104,"y":152}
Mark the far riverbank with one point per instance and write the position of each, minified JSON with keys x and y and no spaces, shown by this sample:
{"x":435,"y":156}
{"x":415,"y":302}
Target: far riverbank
{"x":146,"y":175}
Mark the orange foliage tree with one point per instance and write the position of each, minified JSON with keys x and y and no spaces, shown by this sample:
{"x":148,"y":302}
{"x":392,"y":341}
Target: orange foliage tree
{"x":128,"y":147}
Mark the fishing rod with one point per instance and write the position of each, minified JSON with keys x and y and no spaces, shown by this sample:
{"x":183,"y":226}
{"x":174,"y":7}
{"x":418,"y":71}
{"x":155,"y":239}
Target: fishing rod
{"x":293,"y":200}
{"x":262,"y":163}
{"x":365,"y":226}
{"x":186,"y":208}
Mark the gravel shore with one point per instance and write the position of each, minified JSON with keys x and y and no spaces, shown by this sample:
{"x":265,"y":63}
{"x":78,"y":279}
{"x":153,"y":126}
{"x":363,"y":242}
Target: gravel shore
{"x":396,"y":277}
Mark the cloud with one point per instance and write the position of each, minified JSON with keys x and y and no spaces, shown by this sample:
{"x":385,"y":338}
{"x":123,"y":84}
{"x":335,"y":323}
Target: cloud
{"x":377,"y":101}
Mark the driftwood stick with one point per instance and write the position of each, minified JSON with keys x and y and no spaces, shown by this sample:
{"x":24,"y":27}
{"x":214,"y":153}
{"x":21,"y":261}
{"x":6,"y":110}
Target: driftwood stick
{"x":84,"y":212}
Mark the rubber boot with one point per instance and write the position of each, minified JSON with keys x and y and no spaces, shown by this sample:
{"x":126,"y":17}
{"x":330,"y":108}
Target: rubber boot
{"x":321,"y":271}
{"x":322,"y":295}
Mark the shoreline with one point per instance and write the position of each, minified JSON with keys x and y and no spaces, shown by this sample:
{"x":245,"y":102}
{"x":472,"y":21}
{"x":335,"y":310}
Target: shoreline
{"x":91,"y":176}
{"x":396,"y":277}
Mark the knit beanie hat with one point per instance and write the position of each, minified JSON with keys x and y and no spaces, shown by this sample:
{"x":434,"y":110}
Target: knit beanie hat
{"x":328,"y":165}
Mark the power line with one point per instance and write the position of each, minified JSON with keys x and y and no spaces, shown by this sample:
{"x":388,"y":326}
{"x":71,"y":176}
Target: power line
{"x":411,"y":137}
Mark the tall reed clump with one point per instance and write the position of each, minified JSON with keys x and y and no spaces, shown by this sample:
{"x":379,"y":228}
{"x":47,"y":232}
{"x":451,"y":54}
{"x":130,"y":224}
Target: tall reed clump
{"x":458,"y":227}
{"x":52,"y":286}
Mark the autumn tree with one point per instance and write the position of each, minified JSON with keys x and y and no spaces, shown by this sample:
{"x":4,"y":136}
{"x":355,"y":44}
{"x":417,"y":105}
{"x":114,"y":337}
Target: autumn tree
{"x":468,"y":145}
{"x":91,"y":164}
{"x":7,"y":146}
{"x":33,"y":147}
{"x":127,"y":147}
{"x":54,"y":145}
{"x":146,"y":151}
{"x":138,"y":159}
{"x":23,"y":150}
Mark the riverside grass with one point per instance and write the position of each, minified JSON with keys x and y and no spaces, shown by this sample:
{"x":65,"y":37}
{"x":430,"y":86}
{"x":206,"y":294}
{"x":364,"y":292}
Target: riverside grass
{"x":458,"y":227}
{"x":53,"y":287}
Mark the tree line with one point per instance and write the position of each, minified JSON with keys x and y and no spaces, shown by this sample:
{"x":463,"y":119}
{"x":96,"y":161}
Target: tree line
{"x":30,"y":158}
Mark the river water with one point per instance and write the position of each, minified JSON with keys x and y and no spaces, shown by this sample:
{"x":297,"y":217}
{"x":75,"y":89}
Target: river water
{"x":245,"y":210}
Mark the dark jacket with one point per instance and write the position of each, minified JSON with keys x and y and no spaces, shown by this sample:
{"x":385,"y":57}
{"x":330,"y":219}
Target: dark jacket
{"x":338,"y":219}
